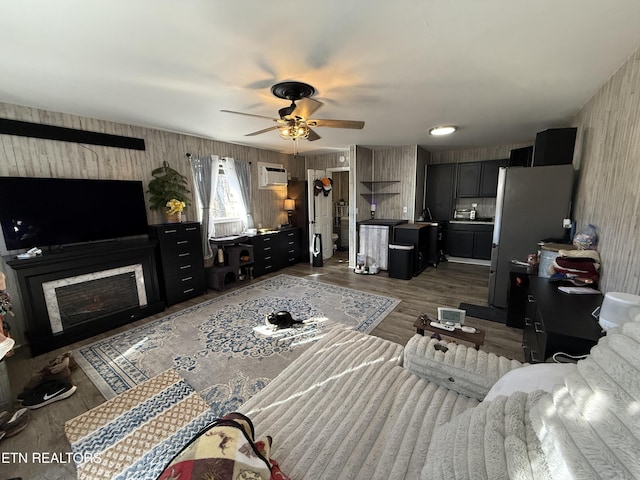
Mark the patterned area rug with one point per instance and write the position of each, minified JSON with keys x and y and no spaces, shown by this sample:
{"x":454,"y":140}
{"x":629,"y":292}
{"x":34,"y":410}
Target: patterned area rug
{"x":136,"y":434}
{"x":214,"y":347}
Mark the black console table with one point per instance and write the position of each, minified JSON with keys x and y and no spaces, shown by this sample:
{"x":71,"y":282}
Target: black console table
{"x":81,"y":291}
{"x":558,"y":322}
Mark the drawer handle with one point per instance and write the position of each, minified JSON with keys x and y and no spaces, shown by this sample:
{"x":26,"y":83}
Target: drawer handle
{"x":291,"y":251}
{"x":527,"y":322}
{"x":184,"y":254}
{"x":267,"y":267}
{"x":171,"y":231}
{"x":291,"y":234}
{"x":188,"y":290}
{"x":184,"y":267}
{"x":182,"y":242}
{"x":190,"y":229}
{"x":267,"y":258}
{"x":186,"y":279}
{"x":268,"y":239}
{"x":291,"y":243}
{"x":538,"y":327}
{"x":530,"y":298}
{"x":266,"y":249}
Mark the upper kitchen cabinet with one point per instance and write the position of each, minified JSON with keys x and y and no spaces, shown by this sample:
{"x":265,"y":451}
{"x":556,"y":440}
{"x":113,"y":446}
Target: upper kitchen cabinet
{"x":478,"y":179}
{"x":440,"y":188}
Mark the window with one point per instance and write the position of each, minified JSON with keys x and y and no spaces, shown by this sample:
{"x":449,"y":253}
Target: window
{"x":228,"y":212}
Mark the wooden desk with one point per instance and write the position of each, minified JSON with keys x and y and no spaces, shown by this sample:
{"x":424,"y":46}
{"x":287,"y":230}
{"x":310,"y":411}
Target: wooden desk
{"x":477,"y":339}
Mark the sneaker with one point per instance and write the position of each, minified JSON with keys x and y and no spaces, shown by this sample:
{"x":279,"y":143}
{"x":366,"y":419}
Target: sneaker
{"x":47,"y":392}
{"x":57,"y":369}
{"x":6,"y":344}
{"x":10,"y":425}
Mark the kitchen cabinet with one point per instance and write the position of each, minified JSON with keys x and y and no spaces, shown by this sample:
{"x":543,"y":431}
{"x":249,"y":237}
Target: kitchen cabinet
{"x":470,"y":239}
{"x":478,"y":179}
{"x":558,"y":322}
{"x":180,"y":261}
{"x":440,"y":190}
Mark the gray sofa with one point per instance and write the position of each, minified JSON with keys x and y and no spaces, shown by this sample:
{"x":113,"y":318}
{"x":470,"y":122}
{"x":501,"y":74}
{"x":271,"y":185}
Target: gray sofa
{"x":355,"y":406}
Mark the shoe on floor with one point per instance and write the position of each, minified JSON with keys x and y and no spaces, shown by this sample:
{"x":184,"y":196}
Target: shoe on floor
{"x":49,"y":391}
{"x":57,"y":369}
{"x":13,"y":424}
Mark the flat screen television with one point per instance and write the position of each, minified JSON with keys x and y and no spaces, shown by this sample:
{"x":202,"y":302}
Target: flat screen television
{"x":45,"y":212}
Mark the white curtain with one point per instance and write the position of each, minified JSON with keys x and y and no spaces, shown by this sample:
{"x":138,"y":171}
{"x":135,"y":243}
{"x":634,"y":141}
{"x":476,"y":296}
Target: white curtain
{"x":243,"y":176}
{"x":205,"y":179}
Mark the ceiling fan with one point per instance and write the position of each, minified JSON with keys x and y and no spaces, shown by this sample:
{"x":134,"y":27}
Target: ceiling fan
{"x":295,"y":121}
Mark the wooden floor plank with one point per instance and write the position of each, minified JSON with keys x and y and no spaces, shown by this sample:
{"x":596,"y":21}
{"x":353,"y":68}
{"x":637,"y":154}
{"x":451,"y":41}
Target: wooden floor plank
{"x":447,"y":285}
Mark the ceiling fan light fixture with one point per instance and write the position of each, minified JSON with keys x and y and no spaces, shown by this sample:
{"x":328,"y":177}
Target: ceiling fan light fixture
{"x":294,"y":132}
{"x":442,"y":130}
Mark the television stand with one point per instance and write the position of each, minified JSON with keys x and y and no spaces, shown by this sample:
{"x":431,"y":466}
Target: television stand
{"x":80,"y":292}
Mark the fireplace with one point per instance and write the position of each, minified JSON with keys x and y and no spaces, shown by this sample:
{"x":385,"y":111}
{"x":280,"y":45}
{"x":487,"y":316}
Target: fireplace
{"x":81,"y":292}
{"x":75,"y":300}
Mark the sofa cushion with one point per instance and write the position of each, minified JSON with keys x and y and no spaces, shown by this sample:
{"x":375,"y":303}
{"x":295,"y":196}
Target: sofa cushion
{"x":493,"y":441}
{"x":463,"y":369}
{"x":347,"y":409}
{"x":541,"y":376}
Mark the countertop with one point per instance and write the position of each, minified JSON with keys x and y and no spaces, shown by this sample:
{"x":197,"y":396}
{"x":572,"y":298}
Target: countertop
{"x":383,"y":222}
{"x":474,"y":222}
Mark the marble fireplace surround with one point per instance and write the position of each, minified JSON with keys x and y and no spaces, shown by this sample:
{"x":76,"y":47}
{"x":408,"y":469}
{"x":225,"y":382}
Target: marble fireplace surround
{"x":40,"y":277}
{"x":88,"y":282}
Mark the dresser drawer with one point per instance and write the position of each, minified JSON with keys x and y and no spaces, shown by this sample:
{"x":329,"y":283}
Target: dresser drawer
{"x":183,"y":287}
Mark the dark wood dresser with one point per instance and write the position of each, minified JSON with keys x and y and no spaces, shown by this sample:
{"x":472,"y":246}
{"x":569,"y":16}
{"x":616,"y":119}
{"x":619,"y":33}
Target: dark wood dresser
{"x":180,"y":261}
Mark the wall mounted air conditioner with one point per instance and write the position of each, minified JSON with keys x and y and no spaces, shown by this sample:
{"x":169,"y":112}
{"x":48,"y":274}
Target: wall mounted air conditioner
{"x":271,"y":175}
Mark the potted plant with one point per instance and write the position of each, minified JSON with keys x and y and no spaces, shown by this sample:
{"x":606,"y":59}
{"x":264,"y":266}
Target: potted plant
{"x":168,"y":192}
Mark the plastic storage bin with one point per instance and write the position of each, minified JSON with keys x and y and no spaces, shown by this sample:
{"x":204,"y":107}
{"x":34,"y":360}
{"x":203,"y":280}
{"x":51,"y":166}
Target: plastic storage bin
{"x":401,"y":261}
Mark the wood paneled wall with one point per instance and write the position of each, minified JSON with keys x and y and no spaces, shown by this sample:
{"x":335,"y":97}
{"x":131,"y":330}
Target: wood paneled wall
{"x":364,"y":172}
{"x":495,"y":152}
{"x":397,"y":163}
{"x":608,"y":193}
{"x":31,"y":157}
{"x":423,"y":157}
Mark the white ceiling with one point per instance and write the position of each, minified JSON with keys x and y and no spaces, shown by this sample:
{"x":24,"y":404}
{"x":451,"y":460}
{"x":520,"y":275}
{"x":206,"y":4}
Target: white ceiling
{"x":501,"y":70}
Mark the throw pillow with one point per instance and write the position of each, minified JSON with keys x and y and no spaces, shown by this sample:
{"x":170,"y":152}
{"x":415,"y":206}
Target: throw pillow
{"x":540,"y":376}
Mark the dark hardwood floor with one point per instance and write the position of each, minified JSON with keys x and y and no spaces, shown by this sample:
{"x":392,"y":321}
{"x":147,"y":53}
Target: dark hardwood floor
{"x":447,"y":285}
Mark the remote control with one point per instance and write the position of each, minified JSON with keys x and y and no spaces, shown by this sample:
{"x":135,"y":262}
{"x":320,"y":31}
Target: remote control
{"x":441,"y":326}
{"x":468,"y":329}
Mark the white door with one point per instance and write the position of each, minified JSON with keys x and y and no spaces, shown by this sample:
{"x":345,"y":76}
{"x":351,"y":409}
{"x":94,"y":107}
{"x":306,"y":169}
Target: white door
{"x":320,"y":215}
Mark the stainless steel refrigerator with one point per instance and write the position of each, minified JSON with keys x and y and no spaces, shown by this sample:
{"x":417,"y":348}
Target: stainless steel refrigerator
{"x":530,"y":206}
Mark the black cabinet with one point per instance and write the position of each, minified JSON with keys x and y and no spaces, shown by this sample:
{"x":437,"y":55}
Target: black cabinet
{"x":276,"y":250}
{"x":521,"y":157}
{"x":440,"y":190}
{"x":554,"y":147}
{"x":488,"y":186}
{"x":180,"y":261}
{"x":468,"y":179}
{"x":470,"y":240}
{"x":297,"y":191}
{"x":478,"y":179}
{"x":558,"y":322}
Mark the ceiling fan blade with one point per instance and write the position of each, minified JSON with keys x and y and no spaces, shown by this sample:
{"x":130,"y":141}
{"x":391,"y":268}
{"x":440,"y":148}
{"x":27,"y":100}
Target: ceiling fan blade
{"x":305,"y":107}
{"x":251,"y":115}
{"x":313,"y":136}
{"x":262,"y":131}
{"x":357,"y":124}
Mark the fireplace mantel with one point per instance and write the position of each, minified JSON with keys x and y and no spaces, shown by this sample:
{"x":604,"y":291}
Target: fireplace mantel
{"x":77,"y":264}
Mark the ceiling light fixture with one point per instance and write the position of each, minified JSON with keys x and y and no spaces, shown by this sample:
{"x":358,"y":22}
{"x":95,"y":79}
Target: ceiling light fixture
{"x":295,"y":130}
{"x":442,"y":130}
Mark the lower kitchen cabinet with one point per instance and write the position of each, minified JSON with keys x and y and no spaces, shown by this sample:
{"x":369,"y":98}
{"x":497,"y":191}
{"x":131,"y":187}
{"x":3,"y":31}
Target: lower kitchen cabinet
{"x":470,"y":240}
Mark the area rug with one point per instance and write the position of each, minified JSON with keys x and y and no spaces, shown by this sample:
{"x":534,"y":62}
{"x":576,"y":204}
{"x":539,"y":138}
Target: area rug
{"x":137,"y":433}
{"x":214,"y":347}
{"x":492,"y":314}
